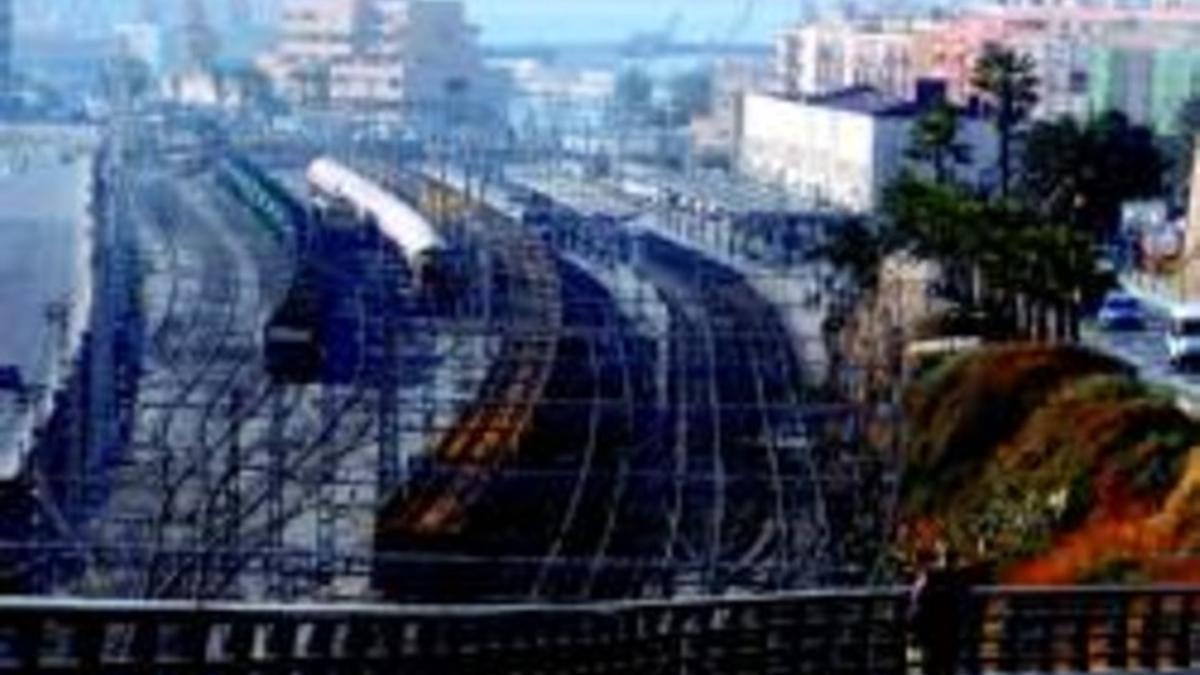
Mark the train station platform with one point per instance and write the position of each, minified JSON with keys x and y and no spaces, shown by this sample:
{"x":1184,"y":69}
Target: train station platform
{"x":45,"y":253}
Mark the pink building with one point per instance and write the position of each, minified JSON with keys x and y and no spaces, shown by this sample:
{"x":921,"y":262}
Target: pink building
{"x":1060,"y":36}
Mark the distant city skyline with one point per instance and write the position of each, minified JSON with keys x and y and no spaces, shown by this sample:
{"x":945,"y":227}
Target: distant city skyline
{"x":559,"y":21}
{"x":506,"y":21}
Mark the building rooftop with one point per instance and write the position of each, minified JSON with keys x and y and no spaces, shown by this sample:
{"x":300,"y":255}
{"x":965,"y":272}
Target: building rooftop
{"x":866,"y":100}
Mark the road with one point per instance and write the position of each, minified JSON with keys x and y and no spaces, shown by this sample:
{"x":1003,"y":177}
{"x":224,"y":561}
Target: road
{"x":1146,"y":350}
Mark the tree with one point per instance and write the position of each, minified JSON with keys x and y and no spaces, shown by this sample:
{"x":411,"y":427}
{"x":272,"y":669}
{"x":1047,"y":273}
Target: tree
{"x":857,"y":249}
{"x":1081,"y":175}
{"x":1187,"y":121}
{"x":935,"y":141}
{"x":1053,"y":170}
{"x":1025,"y":275}
{"x":1008,"y":83}
{"x":941,"y":223}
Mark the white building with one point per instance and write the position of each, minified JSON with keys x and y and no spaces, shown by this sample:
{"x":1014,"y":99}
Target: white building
{"x":817,"y":58}
{"x":377,"y":53}
{"x":538,"y":79}
{"x":843,"y":149}
{"x":200,"y":89}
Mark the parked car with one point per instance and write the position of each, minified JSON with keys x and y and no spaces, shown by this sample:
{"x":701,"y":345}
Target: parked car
{"x":1183,"y":336}
{"x":1121,"y":311}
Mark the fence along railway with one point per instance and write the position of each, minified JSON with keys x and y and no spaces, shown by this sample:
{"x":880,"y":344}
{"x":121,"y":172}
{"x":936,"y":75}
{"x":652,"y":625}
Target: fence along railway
{"x":1009,"y":630}
{"x":480,"y":411}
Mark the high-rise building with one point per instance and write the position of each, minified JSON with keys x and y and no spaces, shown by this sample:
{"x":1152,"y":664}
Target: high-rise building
{"x":1060,"y":49}
{"x":1140,"y":58}
{"x":377,"y":53}
{"x":1147,"y":74}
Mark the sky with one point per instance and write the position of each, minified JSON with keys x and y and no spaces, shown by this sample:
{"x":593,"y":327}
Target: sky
{"x":509,"y":21}
{"x":524,"y":21}
{"x":558,"y":21}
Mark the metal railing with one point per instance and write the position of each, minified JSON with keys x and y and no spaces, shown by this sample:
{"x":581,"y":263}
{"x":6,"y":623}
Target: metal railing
{"x":1003,"y":630}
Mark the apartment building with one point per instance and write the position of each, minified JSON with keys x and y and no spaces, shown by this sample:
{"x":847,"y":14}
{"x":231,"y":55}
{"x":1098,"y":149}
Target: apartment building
{"x":377,"y":53}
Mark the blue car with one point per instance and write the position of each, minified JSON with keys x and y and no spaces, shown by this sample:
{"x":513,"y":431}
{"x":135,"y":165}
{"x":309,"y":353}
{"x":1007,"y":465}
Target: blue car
{"x":1121,"y":312}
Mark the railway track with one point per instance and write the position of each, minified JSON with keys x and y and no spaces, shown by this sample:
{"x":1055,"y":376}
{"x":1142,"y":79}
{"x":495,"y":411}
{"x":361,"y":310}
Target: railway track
{"x":725,"y":490}
{"x":728,"y":504}
{"x":776,"y":374}
{"x":488,"y":432}
{"x":630,"y":395}
{"x":595,"y":358}
{"x":730,"y":385}
{"x":204,"y":370}
{"x":259,"y":512}
{"x":217,"y":377}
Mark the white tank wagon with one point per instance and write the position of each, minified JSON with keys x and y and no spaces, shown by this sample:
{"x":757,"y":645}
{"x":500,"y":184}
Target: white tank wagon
{"x":421,"y":245}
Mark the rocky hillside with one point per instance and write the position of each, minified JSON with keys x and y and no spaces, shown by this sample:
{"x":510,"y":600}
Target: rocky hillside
{"x":1053,"y":464}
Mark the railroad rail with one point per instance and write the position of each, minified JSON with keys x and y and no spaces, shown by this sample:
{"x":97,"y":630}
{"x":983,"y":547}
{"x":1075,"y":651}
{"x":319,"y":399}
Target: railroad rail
{"x":210,"y":483}
{"x":488,"y":431}
{"x":1006,"y":630}
{"x":734,"y":513}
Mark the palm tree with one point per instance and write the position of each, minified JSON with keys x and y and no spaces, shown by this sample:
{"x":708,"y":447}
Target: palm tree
{"x":1081,"y":175}
{"x":1052,"y":173}
{"x":935,"y":140}
{"x":1007,"y":80}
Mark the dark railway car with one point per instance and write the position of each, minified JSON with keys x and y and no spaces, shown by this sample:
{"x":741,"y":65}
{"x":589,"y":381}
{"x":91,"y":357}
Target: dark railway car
{"x":281,"y":213}
{"x":292,"y":337}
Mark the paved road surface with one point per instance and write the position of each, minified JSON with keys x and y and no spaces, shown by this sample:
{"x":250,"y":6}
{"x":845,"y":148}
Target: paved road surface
{"x":1146,"y":350}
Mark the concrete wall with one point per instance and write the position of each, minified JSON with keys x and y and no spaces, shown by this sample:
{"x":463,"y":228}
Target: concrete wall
{"x":821,"y":153}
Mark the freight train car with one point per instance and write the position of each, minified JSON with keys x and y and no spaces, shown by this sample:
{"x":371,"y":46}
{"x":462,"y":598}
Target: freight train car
{"x":281,"y":213}
{"x":421,"y":246}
